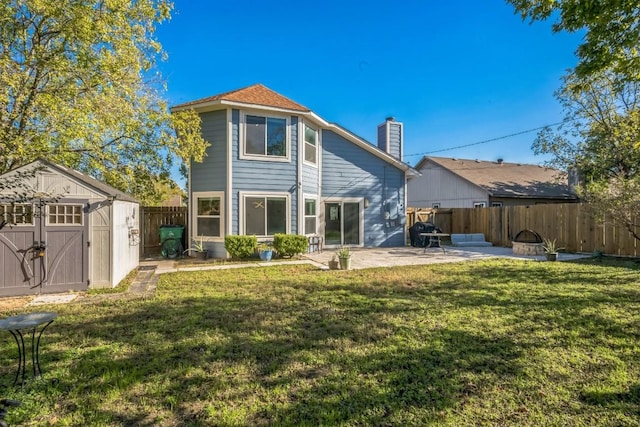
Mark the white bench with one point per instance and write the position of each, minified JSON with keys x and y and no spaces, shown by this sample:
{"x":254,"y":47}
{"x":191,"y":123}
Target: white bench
{"x":471,"y":239}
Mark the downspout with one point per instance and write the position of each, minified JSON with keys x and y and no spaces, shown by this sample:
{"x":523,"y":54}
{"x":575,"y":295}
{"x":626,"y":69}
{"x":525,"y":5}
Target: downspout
{"x":385,"y":203}
{"x":300,"y":197}
{"x":229,"y":186}
{"x":190,"y":214}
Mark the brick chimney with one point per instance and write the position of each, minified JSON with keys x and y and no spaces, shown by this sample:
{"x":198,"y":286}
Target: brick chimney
{"x":391,"y":137}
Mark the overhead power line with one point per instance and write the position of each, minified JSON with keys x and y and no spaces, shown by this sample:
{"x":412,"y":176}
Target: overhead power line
{"x":489,"y":140}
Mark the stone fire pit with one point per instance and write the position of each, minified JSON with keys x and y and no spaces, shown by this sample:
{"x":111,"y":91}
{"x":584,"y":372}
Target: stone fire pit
{"x":527,"y":242}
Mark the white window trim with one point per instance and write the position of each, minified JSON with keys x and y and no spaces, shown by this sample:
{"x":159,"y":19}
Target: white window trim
{"x":24,"y":224}
{"x":306,"y":197}
{"x":435,"y":205}
{"x":204,"y":194}
{"x":48,"y":213}
{"x":496,"y":204}
{"x":265,"y":158}
{"x":479,"y":204}
{"x":243,"y":195}
{"x":304,"y":145}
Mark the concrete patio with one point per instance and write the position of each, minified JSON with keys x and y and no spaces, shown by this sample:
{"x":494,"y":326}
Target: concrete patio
{"x":388,"y":257}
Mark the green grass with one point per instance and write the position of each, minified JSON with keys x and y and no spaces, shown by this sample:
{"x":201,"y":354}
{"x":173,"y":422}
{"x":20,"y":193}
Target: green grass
{"x":475,"y":343}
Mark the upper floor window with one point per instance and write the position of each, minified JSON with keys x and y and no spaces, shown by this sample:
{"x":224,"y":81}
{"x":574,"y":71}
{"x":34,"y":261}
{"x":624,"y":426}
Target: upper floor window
{"x":265,"y":137}
{"x":310,"y":145}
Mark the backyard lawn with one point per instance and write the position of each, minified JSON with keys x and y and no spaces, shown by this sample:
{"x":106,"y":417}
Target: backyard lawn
{"x":493,"y":343}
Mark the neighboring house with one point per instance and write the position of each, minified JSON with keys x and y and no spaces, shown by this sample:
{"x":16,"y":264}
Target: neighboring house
{"x":172,"y":200}
{"x":274,"y":166}
{"x":463,"y":183}
{"x":74,"y":232}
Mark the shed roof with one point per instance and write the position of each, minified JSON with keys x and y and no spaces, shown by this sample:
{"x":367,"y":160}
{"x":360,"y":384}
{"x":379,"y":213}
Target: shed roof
{"x":502,"y":179}
{"x":101,"y":187}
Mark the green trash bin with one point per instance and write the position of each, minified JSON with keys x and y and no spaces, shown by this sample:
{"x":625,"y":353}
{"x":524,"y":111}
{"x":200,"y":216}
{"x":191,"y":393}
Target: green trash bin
{"x":171,"y":240}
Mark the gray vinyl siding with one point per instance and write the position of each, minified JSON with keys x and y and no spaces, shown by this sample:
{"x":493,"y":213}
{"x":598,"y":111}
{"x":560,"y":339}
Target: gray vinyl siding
{"x":263,"y":176}
{"x":310,"y":179}
{"x":392,"y":145}
{"x":350,"y":171}
{"x":439,"y":185}
{"x":395,"y":140}
{"x":211,"y":174}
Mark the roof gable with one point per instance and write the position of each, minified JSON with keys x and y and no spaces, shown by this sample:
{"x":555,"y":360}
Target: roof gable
{"x":257,"y":94}
{"x":501,"y":179}
{"x":86,"y":180}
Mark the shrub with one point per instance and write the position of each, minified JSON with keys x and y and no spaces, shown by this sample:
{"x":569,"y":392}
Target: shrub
{"x":240,"y":246}
{"x":290,"y":244}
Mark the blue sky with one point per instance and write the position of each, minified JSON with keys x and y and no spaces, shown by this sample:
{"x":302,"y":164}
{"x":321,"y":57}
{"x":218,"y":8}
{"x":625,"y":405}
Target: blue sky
{"x":455,"y":73}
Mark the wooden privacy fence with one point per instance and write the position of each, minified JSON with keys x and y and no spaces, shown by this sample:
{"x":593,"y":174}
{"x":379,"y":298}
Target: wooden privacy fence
{"x":572,"y":224}
{"x":151,"y":219}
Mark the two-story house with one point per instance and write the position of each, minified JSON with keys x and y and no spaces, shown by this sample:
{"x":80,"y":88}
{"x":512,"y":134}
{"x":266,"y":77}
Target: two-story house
{"x":274,"y":166}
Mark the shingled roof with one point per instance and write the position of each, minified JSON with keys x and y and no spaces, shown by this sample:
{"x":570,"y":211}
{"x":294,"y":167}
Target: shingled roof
{"x":257,"y":94}
{"x":501,"y":179}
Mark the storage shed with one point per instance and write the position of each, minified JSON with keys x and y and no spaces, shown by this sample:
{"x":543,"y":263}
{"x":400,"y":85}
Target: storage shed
{"x":64,"y":231}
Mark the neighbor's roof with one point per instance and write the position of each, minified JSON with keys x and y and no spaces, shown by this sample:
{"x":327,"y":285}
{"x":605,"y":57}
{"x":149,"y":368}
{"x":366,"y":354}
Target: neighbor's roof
{"x":257,"y":94}
{"x":507,"y":179}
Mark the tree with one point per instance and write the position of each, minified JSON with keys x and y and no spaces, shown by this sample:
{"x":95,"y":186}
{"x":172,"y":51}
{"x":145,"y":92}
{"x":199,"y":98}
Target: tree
{"x":167,"y":192}
{"x":599,"y":140}
{"x":77,"y":88}
{"x":612,"y":39}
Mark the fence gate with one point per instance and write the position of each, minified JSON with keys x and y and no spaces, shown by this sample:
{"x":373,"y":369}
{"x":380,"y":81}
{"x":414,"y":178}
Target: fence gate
{"x":43,"y":249}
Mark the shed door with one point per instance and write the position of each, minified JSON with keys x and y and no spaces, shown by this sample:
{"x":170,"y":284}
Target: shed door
{"x":43,"y":252}
{"x":66,"y":253}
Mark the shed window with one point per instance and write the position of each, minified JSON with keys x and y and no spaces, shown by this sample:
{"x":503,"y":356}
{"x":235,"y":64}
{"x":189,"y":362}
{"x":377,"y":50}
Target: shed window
{"x":16,"y":214}
{"x":64,"y":215}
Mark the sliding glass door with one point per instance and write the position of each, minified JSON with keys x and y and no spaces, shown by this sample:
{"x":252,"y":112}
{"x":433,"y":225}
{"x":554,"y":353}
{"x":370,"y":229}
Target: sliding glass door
{"x":342,"y":223}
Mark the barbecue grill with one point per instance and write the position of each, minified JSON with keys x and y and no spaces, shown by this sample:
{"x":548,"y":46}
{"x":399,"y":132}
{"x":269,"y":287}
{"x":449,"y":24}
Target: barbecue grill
{"x":417,"y":240}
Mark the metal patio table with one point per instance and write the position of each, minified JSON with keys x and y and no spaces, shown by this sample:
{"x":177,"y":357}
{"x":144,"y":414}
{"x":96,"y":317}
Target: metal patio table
{"x":35,"y":323}
{"x":434,"y":241}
